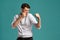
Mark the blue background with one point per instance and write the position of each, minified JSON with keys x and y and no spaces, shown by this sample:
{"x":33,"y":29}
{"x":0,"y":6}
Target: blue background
{"x":50,"y":18}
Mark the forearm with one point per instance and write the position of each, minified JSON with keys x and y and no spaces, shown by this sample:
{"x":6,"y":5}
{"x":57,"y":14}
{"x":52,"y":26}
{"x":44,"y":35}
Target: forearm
{"x":38,"y":24}
{"x":16,"y":22}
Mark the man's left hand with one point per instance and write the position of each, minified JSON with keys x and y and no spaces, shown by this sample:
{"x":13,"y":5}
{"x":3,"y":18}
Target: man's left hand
{"x":37,"y":15}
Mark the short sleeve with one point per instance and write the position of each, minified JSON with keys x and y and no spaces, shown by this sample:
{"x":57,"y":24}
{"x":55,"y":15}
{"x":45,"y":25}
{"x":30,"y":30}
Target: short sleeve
{"x":14,"y":19}
{"x":32,"y":19}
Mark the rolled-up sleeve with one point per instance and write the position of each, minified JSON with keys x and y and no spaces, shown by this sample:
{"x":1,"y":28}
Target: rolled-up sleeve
{"x":32,"y":19}
{"x":14,"y":19}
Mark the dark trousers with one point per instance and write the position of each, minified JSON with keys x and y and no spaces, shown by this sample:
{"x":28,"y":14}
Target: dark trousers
{"x":20,"y":38}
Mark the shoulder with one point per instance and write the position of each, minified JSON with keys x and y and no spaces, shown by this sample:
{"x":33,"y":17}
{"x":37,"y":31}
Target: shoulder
{"x":29,"y":14}
{"x":16,"y":16}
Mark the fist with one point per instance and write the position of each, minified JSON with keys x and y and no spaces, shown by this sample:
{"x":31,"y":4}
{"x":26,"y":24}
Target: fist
{"x":37,"y":15}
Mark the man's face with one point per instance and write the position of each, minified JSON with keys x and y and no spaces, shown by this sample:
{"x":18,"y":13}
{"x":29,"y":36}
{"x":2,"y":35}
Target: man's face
{"x":25,"y":10}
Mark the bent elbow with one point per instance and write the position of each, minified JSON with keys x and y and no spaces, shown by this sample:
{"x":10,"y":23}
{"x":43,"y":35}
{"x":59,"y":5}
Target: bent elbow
{"x":39,"y":27}
{"x":13,"y":26}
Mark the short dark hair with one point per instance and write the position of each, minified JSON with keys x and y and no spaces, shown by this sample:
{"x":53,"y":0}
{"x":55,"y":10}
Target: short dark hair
{"x":25,"y":5}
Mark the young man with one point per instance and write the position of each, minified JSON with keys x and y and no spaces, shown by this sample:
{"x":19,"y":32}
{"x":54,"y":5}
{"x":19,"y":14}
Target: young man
{"x":24,"y":21}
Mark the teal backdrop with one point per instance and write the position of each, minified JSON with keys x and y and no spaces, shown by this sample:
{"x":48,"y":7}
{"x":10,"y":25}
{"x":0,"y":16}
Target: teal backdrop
{"x":50,"y":18}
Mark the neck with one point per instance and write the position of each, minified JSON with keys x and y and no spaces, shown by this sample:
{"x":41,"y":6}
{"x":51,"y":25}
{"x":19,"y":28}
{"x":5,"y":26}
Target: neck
{"x":24,"y":14}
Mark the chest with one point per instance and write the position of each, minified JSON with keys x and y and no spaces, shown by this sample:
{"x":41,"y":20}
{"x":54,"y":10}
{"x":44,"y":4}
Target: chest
{"x":25,"y":21}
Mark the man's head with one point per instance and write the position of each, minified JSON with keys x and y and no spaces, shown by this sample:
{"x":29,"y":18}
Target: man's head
{"x":25,"y":7}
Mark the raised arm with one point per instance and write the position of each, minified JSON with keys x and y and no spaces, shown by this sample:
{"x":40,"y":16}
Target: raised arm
{"x":16,"y":21}
{"x":38,"y":25}
{"x":33,"y":21}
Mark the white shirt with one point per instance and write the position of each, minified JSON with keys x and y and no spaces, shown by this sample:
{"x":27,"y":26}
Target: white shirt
{"x":25,"y":27}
